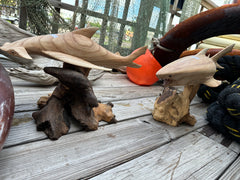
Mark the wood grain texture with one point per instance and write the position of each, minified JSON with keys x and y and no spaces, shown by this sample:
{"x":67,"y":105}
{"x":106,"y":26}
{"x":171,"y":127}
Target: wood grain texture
{"x":211,"y":133}
{"x":172,"y":108}
{"x":137,"y":137}
{"x":129,"y":102}
{"x":24,"y":128}
{"x":232,"y":172}
{"x":80,"y":154}
{"x":193,"y":70}
{"x":7,"y":30}
{"x":110,"y":87}
{"x":76,"y":48}
{"x":180,"y":159}
{"x":27,"y":100}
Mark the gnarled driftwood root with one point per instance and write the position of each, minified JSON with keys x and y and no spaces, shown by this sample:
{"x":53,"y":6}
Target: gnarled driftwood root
{"x":172,"y":108}
{"x":74,"y":99}
{"x":53,"y":119}
{"x":104,"y":113}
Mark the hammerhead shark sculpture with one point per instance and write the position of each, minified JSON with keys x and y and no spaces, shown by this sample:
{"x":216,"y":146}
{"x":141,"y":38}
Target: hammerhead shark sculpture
{"x":193,"y":70}
{"x":75,"y":48}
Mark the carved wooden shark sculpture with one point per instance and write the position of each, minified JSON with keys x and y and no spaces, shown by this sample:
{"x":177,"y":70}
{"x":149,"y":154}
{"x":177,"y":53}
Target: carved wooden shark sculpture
{"x":193,"y":70}
{"x":75,"y":48}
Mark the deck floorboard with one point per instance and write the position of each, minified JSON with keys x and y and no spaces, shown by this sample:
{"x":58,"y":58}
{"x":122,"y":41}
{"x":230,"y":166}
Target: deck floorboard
{"x":136,"y":147}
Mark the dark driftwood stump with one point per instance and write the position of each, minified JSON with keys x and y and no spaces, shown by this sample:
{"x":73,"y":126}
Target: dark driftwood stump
{"x":73,"y":98}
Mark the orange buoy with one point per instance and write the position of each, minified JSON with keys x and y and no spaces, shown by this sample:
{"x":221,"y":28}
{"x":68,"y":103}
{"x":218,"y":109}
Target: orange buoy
{"x":146,"y":74}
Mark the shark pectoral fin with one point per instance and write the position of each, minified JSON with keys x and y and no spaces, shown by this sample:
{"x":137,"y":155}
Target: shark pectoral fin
{"x":19,"y":52}
{"x":6,"y":43}
{"x":219,"y":66}
{"x":212,"y":82}
{"x":73,"y":60}
{"x":88,"y":32}
{"x":134,"y":65}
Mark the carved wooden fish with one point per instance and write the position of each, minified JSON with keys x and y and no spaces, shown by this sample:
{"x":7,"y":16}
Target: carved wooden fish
{"x":192,"y":70}
{"x":75,"y":48}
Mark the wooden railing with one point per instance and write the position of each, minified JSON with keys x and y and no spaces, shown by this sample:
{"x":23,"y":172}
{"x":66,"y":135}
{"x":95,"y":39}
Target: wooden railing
{"x":145,"y":12}
{"x":141,"y":26}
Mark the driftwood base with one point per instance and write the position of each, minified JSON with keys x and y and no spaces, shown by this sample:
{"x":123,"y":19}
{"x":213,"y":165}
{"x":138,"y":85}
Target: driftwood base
{"x":53,"y":119}
{"x":172,"y":108}
{"x":72,"y":99}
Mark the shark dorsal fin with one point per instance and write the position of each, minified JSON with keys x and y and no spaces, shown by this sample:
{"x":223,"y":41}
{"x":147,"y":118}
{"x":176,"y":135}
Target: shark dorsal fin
{"x":222,"y":53}
{"x":202,"y":52}
{"x":88,"y":32}
{"x":212,"y":82}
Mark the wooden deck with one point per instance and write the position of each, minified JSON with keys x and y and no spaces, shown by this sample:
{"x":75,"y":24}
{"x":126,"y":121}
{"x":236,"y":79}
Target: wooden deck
{"x":137,"y":147}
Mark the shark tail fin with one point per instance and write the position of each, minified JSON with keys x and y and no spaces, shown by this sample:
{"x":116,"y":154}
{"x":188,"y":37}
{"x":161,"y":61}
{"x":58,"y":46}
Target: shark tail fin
{"x":134,"y":56}
{"x":222,"y":53}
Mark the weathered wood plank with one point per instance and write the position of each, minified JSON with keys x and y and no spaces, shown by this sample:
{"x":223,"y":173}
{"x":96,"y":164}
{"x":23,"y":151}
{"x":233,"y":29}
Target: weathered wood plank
{"x":191,"y":157}
{"x":113,"y":80}
{"x":7,"y":30}
{"x":23,"y":129}
{"x":106,"y":81}
{"x":135,"y":134}
{"x":26,"y":97}
{"x":218,"y":137}
{"x":232,"y":172}
{"x":80,"y":154}
{"x":26,"y":100}
{"x":111,"y":87}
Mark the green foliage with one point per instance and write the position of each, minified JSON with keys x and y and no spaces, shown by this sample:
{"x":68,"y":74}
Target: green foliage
{"x":42,"y":16}
{"x":37,"y":16}
{"x":95,"y":24}
{"x":9,"y":2}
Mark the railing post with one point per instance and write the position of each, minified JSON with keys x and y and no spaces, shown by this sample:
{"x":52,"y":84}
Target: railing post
{"x":83,"y":14}
{"x":23,"y":16}
{"x":56,"y":20}
{"x":75,"y":14}
{"x":104,"y":22}
{"x":141,"y":29}
{"x":121,"y":31}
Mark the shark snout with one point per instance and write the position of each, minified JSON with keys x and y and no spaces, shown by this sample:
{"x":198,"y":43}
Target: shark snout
{"x":167,"y":78}
{"x":163,"y":75}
